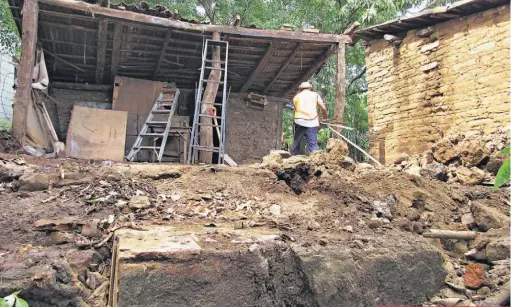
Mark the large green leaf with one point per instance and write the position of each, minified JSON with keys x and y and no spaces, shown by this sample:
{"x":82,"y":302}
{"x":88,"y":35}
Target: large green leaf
{"x":505,"y":151}
{"x":502,"y":175}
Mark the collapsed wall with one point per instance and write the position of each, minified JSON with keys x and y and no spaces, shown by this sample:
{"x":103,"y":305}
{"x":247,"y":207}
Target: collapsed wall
{"x":455,"y":80}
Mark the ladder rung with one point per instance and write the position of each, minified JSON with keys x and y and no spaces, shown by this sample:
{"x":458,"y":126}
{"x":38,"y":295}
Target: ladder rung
{"x":153,"y":134}
{"x":210,"y":116}
{"x":215,"y":61}
{"x":148,"y":147}
{"x":214,"y":68}
{"x":212,"y":81}
{"x":216,"y":42}
{"x":161,"y":111}
{"x":212,"y":103}
{"x":204,"y":148}
{"x":164,"y":100}
{"x":156,"y":123}
{"x":165,"y":105}
{"x":208,"y":125}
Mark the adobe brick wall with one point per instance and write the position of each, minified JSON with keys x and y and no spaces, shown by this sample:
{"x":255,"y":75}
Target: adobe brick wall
{"x":252,"y":133}
{"x":457,"y":80}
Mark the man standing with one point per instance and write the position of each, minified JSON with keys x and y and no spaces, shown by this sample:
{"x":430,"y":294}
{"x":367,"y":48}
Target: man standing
{"x":306,"y":121}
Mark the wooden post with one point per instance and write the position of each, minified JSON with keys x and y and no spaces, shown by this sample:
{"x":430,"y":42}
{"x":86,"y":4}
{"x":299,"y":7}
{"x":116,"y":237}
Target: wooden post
{"x":206,"y":132}
{"x":23,"y":92}
{"x":101,"y":51}
{"x":341,"y":85}
{"x":116,"y":50}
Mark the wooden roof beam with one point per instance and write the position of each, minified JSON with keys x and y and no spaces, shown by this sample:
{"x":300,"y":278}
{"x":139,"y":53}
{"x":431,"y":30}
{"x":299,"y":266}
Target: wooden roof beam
{"x":116,"y":49}
{"x":96,"y":10}
{"x":283,"y":67}
{"x":162,"y":52}
{"x":262,"y":64}
{"x":305,"y":76}
{"x":101,"y":51}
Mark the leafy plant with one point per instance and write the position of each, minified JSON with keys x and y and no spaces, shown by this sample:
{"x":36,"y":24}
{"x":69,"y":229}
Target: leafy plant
{"x":13,"y":300}
{"x":503,"y":173}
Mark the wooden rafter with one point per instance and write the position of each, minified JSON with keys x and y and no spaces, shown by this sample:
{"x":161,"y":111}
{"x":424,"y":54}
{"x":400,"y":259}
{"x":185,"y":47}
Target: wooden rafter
{"x":262,"y":64}
{"x":96,"y":10}
{"x":116,"y":49}
{"x":306,"y":75}
{"x":162,"y":53}
{"x":283,"y":67}
{"x":101,"y":51}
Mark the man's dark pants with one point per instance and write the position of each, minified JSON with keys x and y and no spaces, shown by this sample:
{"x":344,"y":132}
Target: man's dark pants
{"x":311,"y":136}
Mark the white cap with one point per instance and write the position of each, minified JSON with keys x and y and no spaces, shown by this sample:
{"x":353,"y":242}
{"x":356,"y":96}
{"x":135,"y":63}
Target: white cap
{"x":305,"y":85}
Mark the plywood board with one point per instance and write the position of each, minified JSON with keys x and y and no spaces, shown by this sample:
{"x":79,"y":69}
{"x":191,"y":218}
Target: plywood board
{"x":96,"y":134}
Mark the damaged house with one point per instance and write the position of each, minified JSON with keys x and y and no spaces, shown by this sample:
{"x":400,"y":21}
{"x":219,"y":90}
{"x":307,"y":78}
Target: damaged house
{"x":439,"y":72}
{"x":107,"y":65}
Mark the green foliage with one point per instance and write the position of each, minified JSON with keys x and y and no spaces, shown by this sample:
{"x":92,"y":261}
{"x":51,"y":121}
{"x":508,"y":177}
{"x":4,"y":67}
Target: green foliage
{"x":13,"y":300}
{"x":503,"y":175}
{"x":10,"y":42}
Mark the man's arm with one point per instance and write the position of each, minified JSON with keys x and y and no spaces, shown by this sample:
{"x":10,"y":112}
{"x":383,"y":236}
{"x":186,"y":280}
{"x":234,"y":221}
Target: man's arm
{"x":322,"y":107}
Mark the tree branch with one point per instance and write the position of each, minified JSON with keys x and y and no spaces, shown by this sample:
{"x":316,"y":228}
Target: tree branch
{"x":360,"y":74}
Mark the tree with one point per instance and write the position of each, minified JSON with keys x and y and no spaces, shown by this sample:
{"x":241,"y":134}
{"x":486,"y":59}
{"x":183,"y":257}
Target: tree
{"x":10,"y":42}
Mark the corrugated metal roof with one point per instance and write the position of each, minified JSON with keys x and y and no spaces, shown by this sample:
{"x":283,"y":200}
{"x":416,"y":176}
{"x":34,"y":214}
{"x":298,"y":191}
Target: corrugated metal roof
{"x":428,"y":17}
{"x":69,"y":32}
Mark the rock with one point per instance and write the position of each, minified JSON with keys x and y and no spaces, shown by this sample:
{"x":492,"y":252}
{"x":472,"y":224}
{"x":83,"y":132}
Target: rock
{"x":417,"y":227}
{"x":427,"y":158}
{"x":91,"y":229}
{"x":62,"y":224}
{"x":175,"y":197}
{"x":313,"y":225}
{"x":468,"y":220}
{"x":472,"y":150}
{"x":475,"y":276}
{"x":318,"y":157}
{"x":414,"y":170}
{"x":275,"y":210}
{"x":348,"y":228}
{"x":58,"y":237}
{"x":348,"y":163}
{"x":470,"y":176}
{"x":400,"y":158}
{"x":460,"y":247}
{"x":34,"y":182}
{"x":139,"y":202}
{"x":374,"y":223}
{"x":487,"y":218}
{"x":498,"y":249}
{"x":361,"y":167}
{"x":435,"y":170}
{"x":382,"y":209}
{"x":282,"y":153}
{"x":493,"y":165}
{"x":474,"y":254}
{"x":484,"y":291}
{"x":272,"y":160}
{"x":338,"y":146}
{"x":79,"y":260}
{"x":444,"y":151}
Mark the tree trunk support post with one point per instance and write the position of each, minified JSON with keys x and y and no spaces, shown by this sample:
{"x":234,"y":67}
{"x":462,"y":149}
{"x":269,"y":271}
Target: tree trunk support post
{"x":341,"y":84}
{"x":23,"y":96}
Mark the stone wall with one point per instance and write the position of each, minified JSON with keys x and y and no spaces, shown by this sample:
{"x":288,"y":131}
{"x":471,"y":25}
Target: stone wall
{"x":251,"y":133}
{"x":456,"y":80}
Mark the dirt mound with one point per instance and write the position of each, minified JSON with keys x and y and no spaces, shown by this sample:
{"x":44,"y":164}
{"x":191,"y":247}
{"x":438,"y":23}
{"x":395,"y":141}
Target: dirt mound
{"x":315,"y":203}
{"x":8,"y":144}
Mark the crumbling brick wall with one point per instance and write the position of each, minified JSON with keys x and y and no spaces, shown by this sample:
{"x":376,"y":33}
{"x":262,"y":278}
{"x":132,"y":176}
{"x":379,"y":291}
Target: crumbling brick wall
{"x":252,"y":133}
{"x":456,"y":80}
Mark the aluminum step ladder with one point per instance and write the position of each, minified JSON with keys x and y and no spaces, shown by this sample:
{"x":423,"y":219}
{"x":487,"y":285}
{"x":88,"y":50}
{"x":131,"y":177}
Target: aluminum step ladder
{"x":161,"y":107}
{"x":207,"y":67}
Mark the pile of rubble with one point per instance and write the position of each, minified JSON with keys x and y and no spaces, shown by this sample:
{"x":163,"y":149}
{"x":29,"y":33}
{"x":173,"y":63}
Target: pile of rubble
{"x":471,"y":158}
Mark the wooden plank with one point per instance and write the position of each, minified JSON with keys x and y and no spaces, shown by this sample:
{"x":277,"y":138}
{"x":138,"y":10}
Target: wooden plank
{"x":101,"y":51}
{"x":116,"y":49}
{"x":264,"y":62}
{"x":340,"y":93}
{"x":95,"y":10}
{"x":23,"y":98}
{"x":96,"y":134}
{"x":311,"y":69}
{"x":283,"y":67}
{"x":162,"y":52}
